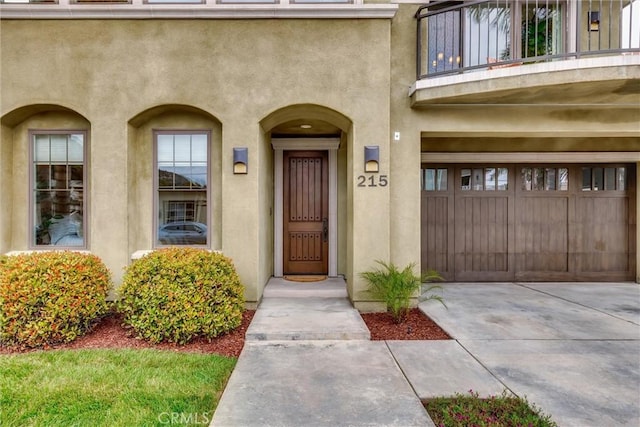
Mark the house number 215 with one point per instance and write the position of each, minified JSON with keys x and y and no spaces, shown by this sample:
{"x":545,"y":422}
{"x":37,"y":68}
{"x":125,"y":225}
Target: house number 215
{"x":373,"y":181}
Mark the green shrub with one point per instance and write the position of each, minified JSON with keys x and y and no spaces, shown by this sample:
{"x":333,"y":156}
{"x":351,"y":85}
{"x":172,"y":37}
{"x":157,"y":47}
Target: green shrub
{"x":50,"y":297}
{"x":395,"y":287}
{"x":178,"y":294}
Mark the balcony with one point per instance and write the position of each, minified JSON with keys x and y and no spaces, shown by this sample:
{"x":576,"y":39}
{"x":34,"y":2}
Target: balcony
{"x":528,"y":52}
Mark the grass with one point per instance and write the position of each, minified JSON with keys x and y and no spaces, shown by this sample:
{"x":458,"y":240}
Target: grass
{"x":496,"y":411}
{"x":110,"y":387}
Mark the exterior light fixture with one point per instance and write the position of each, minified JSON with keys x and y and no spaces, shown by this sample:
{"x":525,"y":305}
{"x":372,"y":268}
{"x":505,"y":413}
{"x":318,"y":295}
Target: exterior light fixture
{"x":594,"y":20}
{"x":240,"y":160}
{"x":372,"y":158}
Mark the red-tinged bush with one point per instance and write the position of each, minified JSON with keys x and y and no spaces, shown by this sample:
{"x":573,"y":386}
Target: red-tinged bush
{"x":50,"y":297}
{"x":178,"y":294}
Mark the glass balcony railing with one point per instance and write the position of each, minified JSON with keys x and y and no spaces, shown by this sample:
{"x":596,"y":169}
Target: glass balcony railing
{"x":455,"y":36}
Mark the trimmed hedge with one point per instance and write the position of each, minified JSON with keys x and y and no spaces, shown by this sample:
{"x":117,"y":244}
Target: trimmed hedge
{"x":50,"y":297}
{"x":178,"y":294}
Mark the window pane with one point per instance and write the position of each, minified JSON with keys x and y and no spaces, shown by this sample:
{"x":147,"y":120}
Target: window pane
{"x":76,"y":148}
{"x":541,"y":29}
{"x":42,"y":146}
{"x":563,"y":179}
{"x":538,"y":179}
{"x":621,"y":179}
{"x":486,"y":33}
{"x":182,"y":218}
{"x":490,"y":179}
{"x":610,"y":179}
{"x":165,"y":148}
{"x":598,"y":179}
{"x":550,"y":180}
{"x":441,"y":181}
{"x":198,"y":176}
{"x":503,"y":179}
{"x":182,"y":148}
{"x":444,"y":42}
{"x":43,"y":176}
{"x":175,"y":1}
{"x":478,"y":176}
{"x":321,"y":1}
{"x":247,"y":1}
{"x":586,"y":179}
{"x":199,"y":148}
{"x":465,"y":179}
{"x":165,"y":176}
{"x":59,"y":148}
{"x":526,"y":179}
{"x":182,"y":177}
{"x":429,"y":179}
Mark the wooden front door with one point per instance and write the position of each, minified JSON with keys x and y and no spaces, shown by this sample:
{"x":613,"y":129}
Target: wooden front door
{"x":305,"y":219}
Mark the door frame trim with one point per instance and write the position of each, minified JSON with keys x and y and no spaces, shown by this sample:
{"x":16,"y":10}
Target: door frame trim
{"x":279,"y":145}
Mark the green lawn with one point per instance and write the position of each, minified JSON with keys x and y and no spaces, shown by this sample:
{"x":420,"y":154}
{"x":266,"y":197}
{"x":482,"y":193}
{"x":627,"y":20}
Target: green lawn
{"x":110,"y":388}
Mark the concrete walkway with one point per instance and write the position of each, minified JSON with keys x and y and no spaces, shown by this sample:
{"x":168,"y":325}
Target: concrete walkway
{"x":571,"y":349}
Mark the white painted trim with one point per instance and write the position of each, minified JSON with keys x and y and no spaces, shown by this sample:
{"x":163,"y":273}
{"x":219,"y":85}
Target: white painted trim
{"x":524,"y":157}
{"x":333,"y":211}
{"x":305,"y":143}
{"x":197,"y":11}
{"x":325,"y":144}
{"x":278,"y":244}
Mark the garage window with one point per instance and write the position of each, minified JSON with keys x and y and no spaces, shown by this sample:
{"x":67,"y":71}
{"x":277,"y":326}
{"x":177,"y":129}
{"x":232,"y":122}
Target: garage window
{"x":603,"y":179}
{"x":434,"y":179}
{"x":485,"y":179}
{"x":545,"y":179}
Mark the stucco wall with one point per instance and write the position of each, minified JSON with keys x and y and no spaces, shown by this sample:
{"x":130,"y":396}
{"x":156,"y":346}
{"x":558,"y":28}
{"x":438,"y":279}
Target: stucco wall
{"x":115,"y":72}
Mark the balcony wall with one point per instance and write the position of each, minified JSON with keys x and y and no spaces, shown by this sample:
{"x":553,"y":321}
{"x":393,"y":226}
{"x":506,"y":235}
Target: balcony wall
{"x":544,"y":51}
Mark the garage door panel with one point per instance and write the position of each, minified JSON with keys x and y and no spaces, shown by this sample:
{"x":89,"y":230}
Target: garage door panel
{"x":435,"y":234}
{"x":542,"y":234}
{"x":481,"y":238}
{"x":602,"y":225}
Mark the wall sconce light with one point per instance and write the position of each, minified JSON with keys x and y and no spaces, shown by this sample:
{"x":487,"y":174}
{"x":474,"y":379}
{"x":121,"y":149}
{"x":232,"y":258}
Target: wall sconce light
{"x":594,"y":20}
{"x":372,"y":158}
{"x":240,"y":160}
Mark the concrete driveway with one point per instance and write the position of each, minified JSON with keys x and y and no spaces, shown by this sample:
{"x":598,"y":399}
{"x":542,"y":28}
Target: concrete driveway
{"x":573,"y":349}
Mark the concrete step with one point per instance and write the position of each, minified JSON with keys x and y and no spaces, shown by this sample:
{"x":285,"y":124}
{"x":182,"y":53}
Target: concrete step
{"x":333,"y":287}
{"x":306,"y":311}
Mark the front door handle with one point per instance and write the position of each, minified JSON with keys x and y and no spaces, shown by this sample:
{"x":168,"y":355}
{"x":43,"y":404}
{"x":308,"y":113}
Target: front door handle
{"x":325,"y":229}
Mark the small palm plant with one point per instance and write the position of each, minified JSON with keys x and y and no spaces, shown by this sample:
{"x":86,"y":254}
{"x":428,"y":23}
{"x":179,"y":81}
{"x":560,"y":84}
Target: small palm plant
{"x":395,"y":287}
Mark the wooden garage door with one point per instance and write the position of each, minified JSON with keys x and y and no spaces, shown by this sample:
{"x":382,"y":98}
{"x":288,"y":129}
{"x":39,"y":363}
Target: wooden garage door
{"x":529,"y":222}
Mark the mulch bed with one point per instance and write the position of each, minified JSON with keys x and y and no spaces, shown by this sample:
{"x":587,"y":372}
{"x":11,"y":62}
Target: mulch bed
{"x":110,"y":333}
{"x":417,"y":326}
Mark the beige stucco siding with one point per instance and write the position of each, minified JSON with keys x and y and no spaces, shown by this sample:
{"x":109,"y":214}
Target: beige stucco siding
{"x":127,"y":78}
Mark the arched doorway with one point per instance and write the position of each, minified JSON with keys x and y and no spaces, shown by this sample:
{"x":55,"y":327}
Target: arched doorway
{"x":307,"y":142}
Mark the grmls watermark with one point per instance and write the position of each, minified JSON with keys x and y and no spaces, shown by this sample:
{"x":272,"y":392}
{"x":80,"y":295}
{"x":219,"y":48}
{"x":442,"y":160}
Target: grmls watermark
{"x":177,"y":418}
